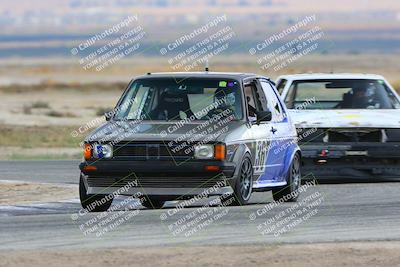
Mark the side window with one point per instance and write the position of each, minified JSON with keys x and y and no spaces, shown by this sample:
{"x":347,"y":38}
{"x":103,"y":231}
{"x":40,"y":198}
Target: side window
{"x":392,"y":98}
{"x":281,"y":85}
{"x":250,"y":101}
{"x":274,"y":105}
{"x":261,"y":99}
{"x":255,"y":98}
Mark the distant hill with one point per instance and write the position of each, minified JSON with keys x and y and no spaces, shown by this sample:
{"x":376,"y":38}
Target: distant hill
{"x":52,"y":27}
{"x":44,"y":16}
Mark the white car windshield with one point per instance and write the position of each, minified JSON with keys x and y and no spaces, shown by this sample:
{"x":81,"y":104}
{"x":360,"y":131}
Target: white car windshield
{"x":341,"y":94}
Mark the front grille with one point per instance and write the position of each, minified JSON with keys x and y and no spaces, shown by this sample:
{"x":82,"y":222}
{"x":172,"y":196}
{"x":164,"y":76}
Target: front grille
{"x":392,"y":135}
{"x":154,"y":182}
{"x":373,"y":136}
{"x":153,"y":150}
{"x":320,"y":135}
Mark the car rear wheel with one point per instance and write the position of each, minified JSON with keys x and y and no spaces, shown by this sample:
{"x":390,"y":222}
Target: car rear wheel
{"x":152,"y":203}
{"x":289,"y":192}
{"x":243,"y":186}
{"x":93,"y":203}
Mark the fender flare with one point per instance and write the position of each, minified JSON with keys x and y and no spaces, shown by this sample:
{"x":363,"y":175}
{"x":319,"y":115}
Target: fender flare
{"x":291,"y":151}
{"x":240,"y":152}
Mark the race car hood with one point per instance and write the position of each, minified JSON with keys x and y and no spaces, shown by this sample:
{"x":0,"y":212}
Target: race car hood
{"x":153,"y":131}
{"x":346,"y":118}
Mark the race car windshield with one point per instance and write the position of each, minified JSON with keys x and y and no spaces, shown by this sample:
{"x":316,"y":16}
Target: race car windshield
{"x":341,"y":94}
{"x":171,"y":99}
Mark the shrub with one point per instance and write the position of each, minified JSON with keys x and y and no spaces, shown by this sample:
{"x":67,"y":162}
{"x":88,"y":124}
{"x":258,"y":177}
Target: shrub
{"x":40,"y":104}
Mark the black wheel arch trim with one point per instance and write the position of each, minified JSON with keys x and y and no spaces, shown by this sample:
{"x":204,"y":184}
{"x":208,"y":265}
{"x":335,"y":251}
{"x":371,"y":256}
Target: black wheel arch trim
{"x":240,"y":153}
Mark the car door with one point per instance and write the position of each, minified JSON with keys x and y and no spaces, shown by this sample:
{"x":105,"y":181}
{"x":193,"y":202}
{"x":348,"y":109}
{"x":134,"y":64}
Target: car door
{"x":264,"y":170}
{"x":279,"y":129}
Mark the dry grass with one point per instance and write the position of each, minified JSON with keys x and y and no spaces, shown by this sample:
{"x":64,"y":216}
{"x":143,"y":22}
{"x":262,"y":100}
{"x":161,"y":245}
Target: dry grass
{"x":38,"y":136}
{"x":40,"y":104}
{"x":55,"y":113}
{"x":46,"y":85}
{"x":45,"y":108}
{"x":396,"y":85}
{"x":27,"y":109}
{"x":70,"y":75}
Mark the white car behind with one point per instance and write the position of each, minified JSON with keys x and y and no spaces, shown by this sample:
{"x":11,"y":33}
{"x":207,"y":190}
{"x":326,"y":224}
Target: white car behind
{"x":348,"y":124}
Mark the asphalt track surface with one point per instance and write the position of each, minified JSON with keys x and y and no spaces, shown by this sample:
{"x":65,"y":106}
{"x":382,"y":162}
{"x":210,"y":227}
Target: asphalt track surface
{"x":345,"y":212}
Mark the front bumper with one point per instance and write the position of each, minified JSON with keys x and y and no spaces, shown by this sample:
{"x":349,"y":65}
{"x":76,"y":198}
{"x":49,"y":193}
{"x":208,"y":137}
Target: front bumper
{"x":161,"y":178}
{"x":369,"y":160}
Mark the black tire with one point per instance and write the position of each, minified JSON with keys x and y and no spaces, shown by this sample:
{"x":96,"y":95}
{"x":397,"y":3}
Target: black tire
{"x":289,"y":192}
{"x":93,"y":203}
{"x":243,"y":186}
{"x":152,"y":203}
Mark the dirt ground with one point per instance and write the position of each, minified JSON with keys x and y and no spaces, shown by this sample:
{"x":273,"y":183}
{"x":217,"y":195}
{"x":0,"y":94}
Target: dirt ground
{"x":308,"y":255}
{"x":54,"y":107}
{"x":13,"y":193}
{"x":39,"y":124}
{"x":21,"y":153}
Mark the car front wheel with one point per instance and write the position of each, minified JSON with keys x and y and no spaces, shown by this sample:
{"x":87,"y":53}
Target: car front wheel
{"x":289,"y":192}
{"x":243,"y":186}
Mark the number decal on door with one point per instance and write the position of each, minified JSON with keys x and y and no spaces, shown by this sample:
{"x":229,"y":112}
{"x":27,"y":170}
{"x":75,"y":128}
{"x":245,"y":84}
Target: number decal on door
{"x":260,"y":155}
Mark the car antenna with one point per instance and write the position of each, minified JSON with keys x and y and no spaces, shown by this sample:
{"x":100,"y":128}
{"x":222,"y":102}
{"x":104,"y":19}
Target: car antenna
{"x":206,"y":68}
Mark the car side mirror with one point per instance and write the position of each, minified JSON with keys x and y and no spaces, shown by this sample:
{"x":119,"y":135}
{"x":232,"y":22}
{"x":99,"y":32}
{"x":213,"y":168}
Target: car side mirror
{"x":264,"y":116}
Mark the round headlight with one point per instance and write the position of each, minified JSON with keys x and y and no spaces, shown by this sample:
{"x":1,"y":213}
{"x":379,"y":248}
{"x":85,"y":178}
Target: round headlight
{"x":102,"y":151}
